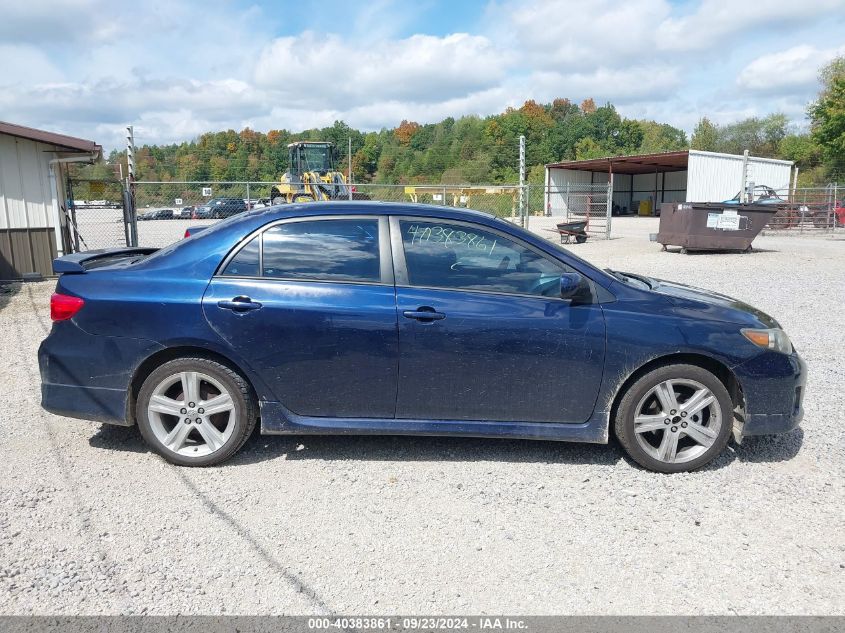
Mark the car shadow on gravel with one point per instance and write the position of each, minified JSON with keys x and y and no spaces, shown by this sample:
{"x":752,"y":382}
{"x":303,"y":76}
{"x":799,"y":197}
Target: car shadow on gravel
{"x":7,"y":293}
{"x":260,"y":448}
{"x":770,"y":448}
{"x":404,"y":448}
{"x":118,"y":438}
{"x":399,"y":448}
{"x":760,"y":449}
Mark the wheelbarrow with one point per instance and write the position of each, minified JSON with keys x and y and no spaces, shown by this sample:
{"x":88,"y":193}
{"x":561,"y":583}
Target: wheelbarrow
{"x":568,"y":230}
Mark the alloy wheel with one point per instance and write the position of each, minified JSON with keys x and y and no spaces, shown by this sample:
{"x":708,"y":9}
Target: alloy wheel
{"x":192,"y":414}
{"x":677,"y":421}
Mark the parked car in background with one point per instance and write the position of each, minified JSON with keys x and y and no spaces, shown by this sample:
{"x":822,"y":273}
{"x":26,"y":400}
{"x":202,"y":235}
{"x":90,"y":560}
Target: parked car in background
{"x":762,"y":194}
{"x":186,"y":212}
{"x":193,"y":230}
{"x":839,"y":212}
{"x":361,"y":317}
{"x":157,"y":214}
{"x":260,"y":203}
{"x":218,"y":208}
{"x":814,"y":208}
{"x":202,"y":212}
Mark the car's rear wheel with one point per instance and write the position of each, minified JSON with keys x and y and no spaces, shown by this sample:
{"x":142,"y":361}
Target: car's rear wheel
{"x":195,"y":411}
{"x":675,"y":418}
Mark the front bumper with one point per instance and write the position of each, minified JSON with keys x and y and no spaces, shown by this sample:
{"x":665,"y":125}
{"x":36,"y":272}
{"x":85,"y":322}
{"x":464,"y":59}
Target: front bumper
{"x":773,"y":385}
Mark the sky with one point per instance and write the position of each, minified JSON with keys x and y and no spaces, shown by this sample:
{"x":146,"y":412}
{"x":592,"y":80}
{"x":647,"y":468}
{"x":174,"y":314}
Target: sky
{"x":177,"y":68}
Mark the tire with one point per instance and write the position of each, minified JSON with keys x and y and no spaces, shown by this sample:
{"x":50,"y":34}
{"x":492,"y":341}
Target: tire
{"x":278,"y":200}
{"x":580,"y":239}
{"x":218,"y":435}
{"x":648,"y":439}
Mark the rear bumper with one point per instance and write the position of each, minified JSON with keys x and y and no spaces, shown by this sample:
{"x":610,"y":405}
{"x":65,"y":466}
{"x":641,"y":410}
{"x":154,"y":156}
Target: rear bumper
{"x":87,"y":376}
{"x":773,"y":385}
{"x":87,"y":403}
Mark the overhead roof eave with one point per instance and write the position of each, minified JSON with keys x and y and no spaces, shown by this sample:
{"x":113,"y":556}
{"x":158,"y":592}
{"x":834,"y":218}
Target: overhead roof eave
{"x":62,"y":142}
{"x":642,"y":164}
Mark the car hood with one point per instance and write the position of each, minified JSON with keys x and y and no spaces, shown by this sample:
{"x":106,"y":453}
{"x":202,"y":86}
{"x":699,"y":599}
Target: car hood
{"x":714,"y":304}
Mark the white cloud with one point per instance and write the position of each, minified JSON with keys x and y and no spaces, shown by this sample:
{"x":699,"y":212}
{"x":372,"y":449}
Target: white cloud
{"x":47,"y":21}
{"x":785,"y":71}
{"x":715,"y":21}
{"x":181,"y":67}
{"x":331,"y":72}
{"x":620,"y":86}
{"x":571,"y":34}
{"x":22,"y":62}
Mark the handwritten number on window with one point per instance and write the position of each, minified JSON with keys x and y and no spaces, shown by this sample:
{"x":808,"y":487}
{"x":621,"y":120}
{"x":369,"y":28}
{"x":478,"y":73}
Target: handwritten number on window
{"x":450,"y":237}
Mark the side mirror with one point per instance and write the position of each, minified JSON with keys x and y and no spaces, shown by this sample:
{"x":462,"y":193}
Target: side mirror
{"x":572,"y":286}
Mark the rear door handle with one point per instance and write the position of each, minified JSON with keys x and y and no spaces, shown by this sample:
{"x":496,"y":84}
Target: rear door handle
{"x":239,"y":304}
{"x":424,"y":314}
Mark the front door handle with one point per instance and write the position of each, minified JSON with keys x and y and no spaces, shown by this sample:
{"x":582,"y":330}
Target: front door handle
{"x":424,"y":314}
{"x":239,"y":304}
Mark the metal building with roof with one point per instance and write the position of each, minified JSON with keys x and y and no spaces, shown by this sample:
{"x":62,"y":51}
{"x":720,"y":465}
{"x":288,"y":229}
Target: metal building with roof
{"x":33,"y":201}
{"x":682,"y":176}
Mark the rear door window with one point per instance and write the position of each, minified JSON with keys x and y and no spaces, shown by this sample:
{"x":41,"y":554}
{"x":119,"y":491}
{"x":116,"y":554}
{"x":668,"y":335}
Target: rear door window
{"x":320,"y":250}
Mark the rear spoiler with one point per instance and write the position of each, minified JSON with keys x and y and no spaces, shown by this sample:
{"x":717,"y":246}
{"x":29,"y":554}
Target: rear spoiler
{"x":75,"y":263}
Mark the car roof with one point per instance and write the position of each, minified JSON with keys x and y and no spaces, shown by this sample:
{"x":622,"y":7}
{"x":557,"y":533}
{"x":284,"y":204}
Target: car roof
{"x":368,"y":207}
{"x":200,"y":255}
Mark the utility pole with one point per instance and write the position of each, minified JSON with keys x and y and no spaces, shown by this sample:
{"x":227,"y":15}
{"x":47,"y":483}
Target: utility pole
{"x":130,"y":152}
{"x":129,"y":217}
{"x":523,"y":220}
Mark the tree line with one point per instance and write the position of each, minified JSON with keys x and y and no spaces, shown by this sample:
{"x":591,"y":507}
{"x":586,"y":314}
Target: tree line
{"x":475,"y":150}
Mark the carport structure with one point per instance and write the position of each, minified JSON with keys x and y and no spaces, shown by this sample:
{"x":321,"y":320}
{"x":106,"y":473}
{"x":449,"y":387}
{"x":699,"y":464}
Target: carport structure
{"x":680,"y":176}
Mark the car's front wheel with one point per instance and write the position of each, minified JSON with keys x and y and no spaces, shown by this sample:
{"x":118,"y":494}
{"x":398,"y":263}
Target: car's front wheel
{"x":675,"y":418}
{"x":195,"y":411}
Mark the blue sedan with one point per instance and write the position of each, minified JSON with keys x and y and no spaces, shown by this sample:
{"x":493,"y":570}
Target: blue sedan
{"x":372,"y":318}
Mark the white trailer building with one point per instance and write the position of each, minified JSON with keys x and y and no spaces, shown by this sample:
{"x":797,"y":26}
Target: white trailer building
{"x":683,"y":176}
{"x":33,"y":201}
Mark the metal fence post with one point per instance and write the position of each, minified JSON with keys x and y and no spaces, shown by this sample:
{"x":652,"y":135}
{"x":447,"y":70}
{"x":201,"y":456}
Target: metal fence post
{"x":349,"y":171}
{"x":525,"y":220}
{"x":522,"y":219}
{"x":609,"y":206}
{"x":248,"y":199}
{"x":567,"y":201}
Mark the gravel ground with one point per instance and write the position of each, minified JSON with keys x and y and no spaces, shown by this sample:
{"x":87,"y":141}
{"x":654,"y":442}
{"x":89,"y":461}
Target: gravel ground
{"x":91,"y":522}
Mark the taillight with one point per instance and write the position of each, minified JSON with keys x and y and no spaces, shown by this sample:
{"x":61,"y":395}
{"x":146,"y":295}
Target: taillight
{"x":64,"y":307}
{"x":187,"y":233}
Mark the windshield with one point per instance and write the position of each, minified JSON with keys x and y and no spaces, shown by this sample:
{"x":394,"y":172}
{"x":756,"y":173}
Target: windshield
{"x":316,"y":157}
{"x":637,"y":281}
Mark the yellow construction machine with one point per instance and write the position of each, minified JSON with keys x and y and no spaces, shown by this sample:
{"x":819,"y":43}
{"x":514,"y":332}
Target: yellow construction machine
{"x":311,"y":176}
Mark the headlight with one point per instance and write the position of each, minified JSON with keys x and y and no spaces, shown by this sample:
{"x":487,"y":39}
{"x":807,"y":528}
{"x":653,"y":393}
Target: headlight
{"x":774,"y":339}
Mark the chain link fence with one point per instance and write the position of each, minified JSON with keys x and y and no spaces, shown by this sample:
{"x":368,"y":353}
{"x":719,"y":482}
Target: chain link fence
{"x":95,"y":214}
{"x":807,"y":209}
{"x":164,"y":210}
{"x":571,"y":210}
